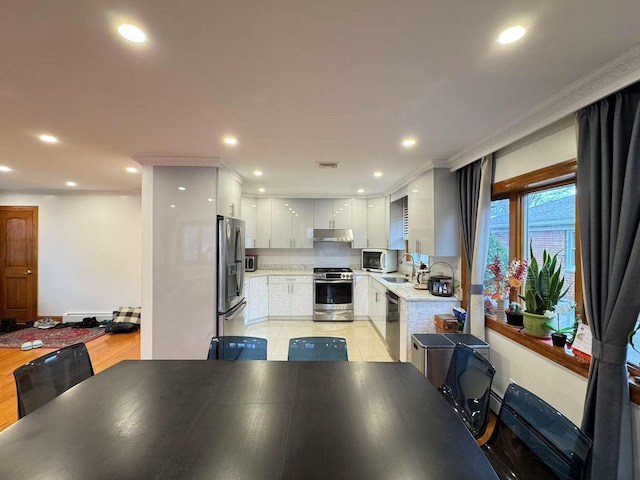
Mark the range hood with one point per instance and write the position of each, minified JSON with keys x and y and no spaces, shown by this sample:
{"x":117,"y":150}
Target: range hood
{"x":344,"y":235}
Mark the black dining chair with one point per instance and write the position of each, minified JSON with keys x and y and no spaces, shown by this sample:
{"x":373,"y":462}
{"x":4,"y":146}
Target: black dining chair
{"x":317,"y":349}
{"x":467,"y":387}
{"x":533,"y":440}
{"x":46,"y":377}
{"x":237,"y":348}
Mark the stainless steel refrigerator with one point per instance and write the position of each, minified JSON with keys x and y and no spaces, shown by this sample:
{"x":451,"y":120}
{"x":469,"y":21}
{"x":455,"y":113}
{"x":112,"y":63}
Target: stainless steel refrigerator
{"x":230,"y":264}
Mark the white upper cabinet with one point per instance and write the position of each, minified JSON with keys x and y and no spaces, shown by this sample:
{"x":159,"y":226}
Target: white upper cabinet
{"x":378,"y":222}
{"x":263,"y":223}
{"x":291,"y":223}
{"x":359,"y":216}
{"x":229,"y":194}
{"x":328,"y":213}
{"x":248,"y":209}
{"x":434,"y":225}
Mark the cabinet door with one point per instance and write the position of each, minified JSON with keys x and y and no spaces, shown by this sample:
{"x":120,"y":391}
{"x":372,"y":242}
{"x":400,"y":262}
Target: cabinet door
{"x":359,"y":222}
{"x":263,"y":223}
{"x":279,"y":299}
{"x":322,"y":213}
{"x":281,"y":223}
{"x":248,"y":209}
{"x":361,"y":295}
{"x":228,"y":195}
{"x":420,"y":206}
{"x":341,"y":213}
{"x":259,"y":304}
{"x":302,"y":299}
{"x":446,"y":215}
{"x":302,"y":227}
{"x":377,"y":223}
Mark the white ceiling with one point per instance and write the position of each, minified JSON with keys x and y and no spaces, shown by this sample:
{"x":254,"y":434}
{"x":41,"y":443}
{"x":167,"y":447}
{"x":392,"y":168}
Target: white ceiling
{"x":298,"y":82}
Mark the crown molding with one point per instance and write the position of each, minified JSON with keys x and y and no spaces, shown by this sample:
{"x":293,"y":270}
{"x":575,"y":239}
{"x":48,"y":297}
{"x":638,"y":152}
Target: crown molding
{"x":428,"y":165}
{"x":178,"y":161}
{"x":611,"y":77}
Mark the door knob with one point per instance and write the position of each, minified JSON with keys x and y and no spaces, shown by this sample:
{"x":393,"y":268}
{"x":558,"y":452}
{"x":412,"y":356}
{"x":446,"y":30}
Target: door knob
{"x":28,"y":272}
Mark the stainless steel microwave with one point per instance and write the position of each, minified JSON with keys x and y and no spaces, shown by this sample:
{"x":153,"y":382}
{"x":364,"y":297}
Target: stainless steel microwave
{"x":250,"y":263}
{"x":379,"y":260}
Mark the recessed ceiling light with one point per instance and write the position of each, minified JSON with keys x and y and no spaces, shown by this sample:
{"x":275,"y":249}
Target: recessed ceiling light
{"x":48,"y":139}
{"x":261,"y":190}
{"x":132,"y":33}
{"x":4,"y":168}
{"x":377,"y":174}
{"x":258,"y":173}
{"x":132,"y":170}
{"x":209,"y":199}
{"x":370,"y":206}
{"x":361,"y":190}
{"x":172,"y":206}
{"x":230,"y":140}
{"x":182,"y":189}
{"x":71,"y":184}
{"x":512,"y":34}
{"x":408,"y":142}
{"x":254,"y":205}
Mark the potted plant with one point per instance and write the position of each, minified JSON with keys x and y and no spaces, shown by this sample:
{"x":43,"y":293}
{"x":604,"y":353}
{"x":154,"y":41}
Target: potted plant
{"x":514,"y":314}
{"x":542,"y":291}
{"x":562,"y":336}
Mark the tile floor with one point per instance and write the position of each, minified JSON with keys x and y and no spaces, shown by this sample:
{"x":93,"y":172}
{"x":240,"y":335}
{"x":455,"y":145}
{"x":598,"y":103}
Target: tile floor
{"x":363,"y":342}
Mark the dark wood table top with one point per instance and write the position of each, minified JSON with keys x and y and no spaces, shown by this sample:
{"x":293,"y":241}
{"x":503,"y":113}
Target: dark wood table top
{"x":245,"y":420}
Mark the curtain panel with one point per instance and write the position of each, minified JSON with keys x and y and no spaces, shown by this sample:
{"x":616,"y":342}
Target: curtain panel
{"x":608,"y":188}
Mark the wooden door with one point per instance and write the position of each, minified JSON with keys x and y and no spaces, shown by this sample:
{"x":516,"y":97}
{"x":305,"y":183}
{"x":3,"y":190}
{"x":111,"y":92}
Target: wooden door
{"x":19,"y":263}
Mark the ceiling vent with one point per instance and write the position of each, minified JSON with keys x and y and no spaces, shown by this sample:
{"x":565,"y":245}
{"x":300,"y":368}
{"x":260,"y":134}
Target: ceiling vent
{"x":327,"y":164}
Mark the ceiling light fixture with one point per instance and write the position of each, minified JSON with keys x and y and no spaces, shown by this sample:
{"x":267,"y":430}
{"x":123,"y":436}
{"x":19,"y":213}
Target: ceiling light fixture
{"x":182,"y":189}
{"x":361,"y":190}
{"x":261,"y":190}
{"x":258,"y":173}
{"x":172,"y":206}
{"x":48,"y":139}
{"x":512,"y":34}
{"x":209,"y":199}
{"x":71,"y":184}
{"x":4,"y":168}
{"x":132,"y":170}
{"x":377,"y":174}
{"x":132,"y":33}
{"x":408,"y":142}
{"x":230,"y":140}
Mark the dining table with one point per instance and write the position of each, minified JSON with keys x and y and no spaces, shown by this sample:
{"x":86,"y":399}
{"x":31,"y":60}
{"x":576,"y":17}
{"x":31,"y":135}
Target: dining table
{"x":215,"y":419}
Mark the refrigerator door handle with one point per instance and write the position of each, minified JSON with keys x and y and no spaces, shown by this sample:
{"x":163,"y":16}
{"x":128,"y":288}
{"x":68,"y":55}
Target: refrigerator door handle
{"x":239,"y":260}
{"x":237,"y":310}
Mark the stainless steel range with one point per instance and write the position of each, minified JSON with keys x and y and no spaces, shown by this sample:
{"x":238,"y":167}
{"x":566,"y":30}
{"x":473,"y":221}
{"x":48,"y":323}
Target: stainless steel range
{"x":332,"y":295}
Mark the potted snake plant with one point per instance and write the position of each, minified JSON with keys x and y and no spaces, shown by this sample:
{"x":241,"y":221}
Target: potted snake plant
{"x":543,"y":290}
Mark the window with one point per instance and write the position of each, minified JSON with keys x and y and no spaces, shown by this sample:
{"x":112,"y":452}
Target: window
{"x":538,"y":208}
{"x":498,"y":245}
{"x":549,"y":216}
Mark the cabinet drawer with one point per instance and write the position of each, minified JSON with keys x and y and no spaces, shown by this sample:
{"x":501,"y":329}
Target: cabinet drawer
{"x":290,"y":279}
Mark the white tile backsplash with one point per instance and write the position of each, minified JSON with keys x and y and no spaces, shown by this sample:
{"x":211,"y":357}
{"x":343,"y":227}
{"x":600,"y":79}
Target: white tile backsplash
{"x":324,"y":254}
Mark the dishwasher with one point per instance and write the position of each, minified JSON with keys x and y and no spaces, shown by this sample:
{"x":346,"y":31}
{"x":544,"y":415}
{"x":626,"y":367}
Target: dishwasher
{"x":392,"y":324}
{"x":431,"y":353}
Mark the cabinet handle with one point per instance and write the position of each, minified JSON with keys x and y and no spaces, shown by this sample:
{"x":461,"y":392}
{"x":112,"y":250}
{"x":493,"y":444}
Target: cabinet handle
{"x":269,"y":243}
{"x":232,"y":210}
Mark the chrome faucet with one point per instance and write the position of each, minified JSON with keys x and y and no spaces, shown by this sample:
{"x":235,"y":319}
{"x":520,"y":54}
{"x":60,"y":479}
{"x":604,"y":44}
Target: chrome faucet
{"x":413,"y":264}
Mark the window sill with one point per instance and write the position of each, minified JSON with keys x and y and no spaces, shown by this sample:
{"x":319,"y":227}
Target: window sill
{"x":561,"y":356}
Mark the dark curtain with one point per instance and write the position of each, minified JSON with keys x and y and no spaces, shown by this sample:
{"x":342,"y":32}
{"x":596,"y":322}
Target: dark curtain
{"x":608,"y":187}
{"x":469,"y":178}
{"x":469,"y":187}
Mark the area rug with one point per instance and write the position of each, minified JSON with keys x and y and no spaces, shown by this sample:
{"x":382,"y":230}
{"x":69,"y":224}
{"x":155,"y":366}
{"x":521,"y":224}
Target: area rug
{"x":51,"y":338}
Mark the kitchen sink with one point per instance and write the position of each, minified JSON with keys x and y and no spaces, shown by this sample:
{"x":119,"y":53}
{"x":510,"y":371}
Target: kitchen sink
{"x":395,"y":279}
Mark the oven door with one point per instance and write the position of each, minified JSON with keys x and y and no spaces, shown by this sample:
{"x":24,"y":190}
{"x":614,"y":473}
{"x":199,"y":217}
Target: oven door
{"x":333,"y":300}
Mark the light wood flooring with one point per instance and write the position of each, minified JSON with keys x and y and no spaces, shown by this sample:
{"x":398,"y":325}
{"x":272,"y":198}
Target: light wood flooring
{"x":104,"y":351}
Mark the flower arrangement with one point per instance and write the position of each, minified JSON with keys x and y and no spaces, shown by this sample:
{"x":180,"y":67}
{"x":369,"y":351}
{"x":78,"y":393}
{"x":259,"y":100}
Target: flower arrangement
{"x":514,"y":277}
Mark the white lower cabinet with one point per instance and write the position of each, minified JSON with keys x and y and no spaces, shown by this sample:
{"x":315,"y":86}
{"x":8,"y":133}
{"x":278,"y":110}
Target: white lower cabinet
{"x":258,"y":301}
{"x":378,"y":306}
{"x":361,"y":295}
{"x":290,"y":296}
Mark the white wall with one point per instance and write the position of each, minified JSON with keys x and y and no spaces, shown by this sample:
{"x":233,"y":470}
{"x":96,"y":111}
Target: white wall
{"x":88,"y":251}
{"x":537,"y":151}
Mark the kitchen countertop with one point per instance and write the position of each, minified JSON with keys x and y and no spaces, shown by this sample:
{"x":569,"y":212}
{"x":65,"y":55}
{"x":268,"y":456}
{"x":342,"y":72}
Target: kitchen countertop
{"x":403,"y":290}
